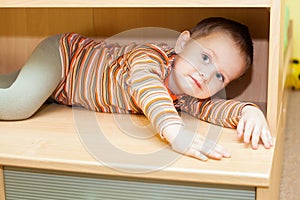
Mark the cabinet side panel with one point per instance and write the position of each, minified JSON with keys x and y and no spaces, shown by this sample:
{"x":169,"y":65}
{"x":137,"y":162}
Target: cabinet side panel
{"x":2,"y":186}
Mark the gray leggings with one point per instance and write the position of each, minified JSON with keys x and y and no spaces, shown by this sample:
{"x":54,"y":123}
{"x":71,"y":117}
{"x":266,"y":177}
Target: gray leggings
{"x":23,"y":93}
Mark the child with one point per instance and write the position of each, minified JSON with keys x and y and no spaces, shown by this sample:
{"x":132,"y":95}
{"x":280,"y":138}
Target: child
{"x":154,"y":80}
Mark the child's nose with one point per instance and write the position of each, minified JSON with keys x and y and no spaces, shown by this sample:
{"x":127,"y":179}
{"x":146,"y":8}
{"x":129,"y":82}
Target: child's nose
{"x":206,"y":77}
{"x":203,"y":77}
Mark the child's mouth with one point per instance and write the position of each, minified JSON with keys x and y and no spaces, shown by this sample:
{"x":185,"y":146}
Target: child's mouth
{"x":196,"y":82}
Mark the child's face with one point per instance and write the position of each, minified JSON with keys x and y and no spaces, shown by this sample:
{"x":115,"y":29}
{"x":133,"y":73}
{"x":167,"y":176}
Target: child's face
{"x":206,"y":65}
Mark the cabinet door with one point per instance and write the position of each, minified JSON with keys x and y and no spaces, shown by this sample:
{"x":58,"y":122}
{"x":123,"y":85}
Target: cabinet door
{"x":29,"y":185}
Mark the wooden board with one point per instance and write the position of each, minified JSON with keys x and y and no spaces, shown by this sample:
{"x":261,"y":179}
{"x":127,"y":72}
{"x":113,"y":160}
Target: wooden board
{"x":51,"y":140}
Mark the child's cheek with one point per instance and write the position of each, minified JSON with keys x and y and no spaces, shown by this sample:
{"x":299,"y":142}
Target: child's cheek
{"x":183,"y":67}
{"x":214,"y":86}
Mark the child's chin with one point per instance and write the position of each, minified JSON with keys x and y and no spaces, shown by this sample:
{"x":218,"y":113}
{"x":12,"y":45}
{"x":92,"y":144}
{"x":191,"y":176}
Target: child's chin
{"x":200,"y":96}
{"x":204,"y":96}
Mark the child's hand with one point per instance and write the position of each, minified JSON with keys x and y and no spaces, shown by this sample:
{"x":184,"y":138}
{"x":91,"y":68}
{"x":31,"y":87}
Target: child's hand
{"x":192,"y":144}
{"x":253,"y":126}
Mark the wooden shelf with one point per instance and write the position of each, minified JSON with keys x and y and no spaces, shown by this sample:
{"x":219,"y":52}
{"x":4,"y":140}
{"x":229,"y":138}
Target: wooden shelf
{"x":136,"y":3}
{"x":50,"y":141}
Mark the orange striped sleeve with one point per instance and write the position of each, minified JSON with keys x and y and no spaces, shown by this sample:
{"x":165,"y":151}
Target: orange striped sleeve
{"x":222,"y":112}
{"x":148,"y":90}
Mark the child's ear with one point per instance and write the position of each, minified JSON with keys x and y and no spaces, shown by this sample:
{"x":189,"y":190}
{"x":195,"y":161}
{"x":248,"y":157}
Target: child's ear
{"x":181,"y":41}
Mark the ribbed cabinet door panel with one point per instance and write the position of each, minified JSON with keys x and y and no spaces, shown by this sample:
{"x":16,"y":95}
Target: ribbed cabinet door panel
{"x":42,"y":185}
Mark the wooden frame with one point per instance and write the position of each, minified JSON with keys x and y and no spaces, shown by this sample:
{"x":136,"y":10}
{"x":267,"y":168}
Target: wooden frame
{"x":2,"y":186}
{"x":267,"y":184}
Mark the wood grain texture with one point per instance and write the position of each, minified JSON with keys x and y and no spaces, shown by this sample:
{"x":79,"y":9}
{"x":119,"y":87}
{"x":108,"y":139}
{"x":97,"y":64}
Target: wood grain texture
{"x":26,"y":27}
{"x":137,"y":3}
{"x":51,"y":140}
{"x":2,"y":186}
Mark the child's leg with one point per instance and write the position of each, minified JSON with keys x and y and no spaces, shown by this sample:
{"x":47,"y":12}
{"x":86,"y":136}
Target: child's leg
{"x":7,"y":79}
{"x":34,"y":84}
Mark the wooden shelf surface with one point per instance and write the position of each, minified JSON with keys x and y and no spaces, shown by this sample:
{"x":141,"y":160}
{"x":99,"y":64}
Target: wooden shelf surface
{"x":53,"y":140}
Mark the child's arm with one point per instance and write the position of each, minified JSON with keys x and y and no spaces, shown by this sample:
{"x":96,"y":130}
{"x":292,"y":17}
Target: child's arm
{"x":148,"y":91}
{"x":217,"y":111}
{"x":150,"y":94}
{"x":246,"y":117}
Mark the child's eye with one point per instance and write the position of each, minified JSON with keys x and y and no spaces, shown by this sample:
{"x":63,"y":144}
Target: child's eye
{"x":220,"y":76}
{"x":206,"y":59}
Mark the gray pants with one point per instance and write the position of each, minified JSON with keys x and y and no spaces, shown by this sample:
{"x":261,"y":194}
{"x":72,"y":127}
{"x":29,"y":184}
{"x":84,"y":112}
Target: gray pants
{"x":23,"y":93}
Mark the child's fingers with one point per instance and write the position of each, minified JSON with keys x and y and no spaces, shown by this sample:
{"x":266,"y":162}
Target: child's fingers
{"x":217,"y":152}
{"x":266,"y":138}
{"x":216,"y":155}
{"x":221,"y":150}
{"x":248,"y":132}
{"x":197,"y":154}
{"x":255,"y":137}
{"x":197,"y":147}
{"x":213,"y":154}
{"x":208,"y":147}
{"x":240,"y":128}
{"x":270,"y":138}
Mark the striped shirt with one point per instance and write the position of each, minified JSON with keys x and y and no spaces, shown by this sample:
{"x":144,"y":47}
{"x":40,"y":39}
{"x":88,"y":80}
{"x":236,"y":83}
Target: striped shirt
{"x":131,"y":79}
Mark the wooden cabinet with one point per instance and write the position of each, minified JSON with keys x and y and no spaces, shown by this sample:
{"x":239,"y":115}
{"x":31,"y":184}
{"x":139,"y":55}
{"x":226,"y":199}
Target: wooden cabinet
{"x":48,"y":141}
